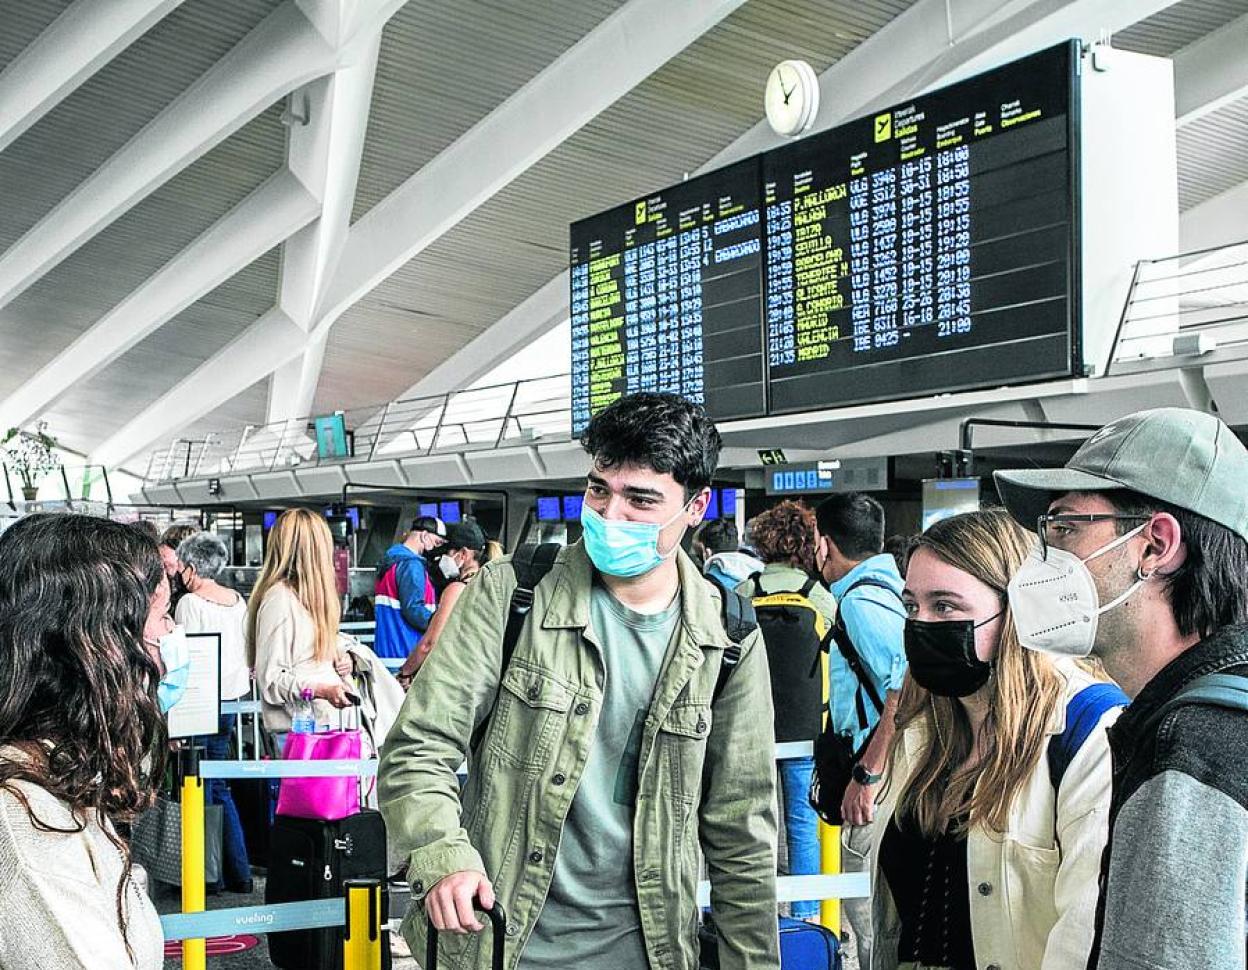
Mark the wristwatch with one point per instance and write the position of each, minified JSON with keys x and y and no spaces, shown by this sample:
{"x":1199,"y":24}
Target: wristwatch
{"x":864,"y":777}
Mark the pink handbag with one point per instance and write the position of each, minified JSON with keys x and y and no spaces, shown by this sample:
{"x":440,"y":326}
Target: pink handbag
{"x":328,"y":799}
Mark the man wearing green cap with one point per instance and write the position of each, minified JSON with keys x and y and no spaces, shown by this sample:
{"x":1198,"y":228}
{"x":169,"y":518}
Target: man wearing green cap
{"x":1143,"y":562}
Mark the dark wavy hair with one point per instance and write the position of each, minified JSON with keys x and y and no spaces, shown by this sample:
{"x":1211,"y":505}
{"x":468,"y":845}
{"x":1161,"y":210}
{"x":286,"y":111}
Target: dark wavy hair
{"x":785,"y":533}
{"x":77,"y":685}
{"x":664,"y":432}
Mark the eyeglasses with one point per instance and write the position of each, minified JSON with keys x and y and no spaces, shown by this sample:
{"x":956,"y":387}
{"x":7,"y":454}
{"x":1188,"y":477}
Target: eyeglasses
{"x":1061,"y":522}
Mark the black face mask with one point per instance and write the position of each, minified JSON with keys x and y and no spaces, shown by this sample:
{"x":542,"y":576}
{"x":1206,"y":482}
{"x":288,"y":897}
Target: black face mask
{"x":942,"y":656}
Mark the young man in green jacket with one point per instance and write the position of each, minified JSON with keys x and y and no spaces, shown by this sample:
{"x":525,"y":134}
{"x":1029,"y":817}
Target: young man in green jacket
{"x":609,"y":764}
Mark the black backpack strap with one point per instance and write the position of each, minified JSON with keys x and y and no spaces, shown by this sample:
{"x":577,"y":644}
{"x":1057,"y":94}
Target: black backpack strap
{"x":739,"y":622}
{"x":807,"y":587}
{"x":531,"y":562}
{"x":845,"y":646}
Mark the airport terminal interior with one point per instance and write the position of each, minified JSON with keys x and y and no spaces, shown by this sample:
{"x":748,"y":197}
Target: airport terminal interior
{"x":386,"y":260}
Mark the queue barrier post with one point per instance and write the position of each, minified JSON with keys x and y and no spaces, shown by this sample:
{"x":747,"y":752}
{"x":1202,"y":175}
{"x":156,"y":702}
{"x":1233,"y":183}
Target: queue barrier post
{"x":194,"y":951}
{"x":830,"y":865}
{"x":361,"y":944}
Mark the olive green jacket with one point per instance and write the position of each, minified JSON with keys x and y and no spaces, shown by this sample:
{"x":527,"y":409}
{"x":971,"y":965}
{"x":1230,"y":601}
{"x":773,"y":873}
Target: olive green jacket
{"x":705,"y":775}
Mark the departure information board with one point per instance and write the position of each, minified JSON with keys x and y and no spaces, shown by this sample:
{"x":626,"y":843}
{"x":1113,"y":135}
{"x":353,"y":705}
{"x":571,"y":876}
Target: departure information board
{"x":929,"y":248}
{"x":667,"y":296}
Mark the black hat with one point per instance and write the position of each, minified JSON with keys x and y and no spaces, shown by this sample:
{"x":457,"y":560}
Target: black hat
{"x":429,"y":523}
{"x":466,"y":535}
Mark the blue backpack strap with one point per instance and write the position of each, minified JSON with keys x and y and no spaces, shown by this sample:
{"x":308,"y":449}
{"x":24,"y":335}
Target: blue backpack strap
{"x":1083,"y":714}
{"x":1211,"y":690}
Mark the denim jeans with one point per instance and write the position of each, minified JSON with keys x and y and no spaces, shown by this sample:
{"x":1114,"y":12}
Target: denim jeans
{"x":801,"y":827}
{"x":235,"y":867}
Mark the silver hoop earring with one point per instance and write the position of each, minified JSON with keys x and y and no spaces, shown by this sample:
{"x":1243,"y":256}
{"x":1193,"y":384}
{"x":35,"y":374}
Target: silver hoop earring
{"x":1140,"y":575}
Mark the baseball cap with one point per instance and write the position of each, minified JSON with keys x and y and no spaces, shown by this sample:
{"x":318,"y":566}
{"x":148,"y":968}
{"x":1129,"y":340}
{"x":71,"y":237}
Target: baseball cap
{"x":465,"y":535}
{"x":429,"y":523}
{"x":1182,"y":457}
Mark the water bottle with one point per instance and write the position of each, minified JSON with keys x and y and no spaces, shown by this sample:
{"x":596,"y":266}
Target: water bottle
{"x":303,"y":722}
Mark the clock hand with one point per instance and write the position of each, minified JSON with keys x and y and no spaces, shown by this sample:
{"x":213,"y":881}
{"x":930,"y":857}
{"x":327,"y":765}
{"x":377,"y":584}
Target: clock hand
{"x":787,"y":93}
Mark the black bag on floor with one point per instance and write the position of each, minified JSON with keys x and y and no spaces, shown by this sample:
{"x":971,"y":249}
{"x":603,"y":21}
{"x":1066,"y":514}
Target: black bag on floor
{"x":310,"y":859}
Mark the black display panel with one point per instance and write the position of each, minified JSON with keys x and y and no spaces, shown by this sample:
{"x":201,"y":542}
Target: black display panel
{"x":667,"y":296}
{"x":928,"y":248}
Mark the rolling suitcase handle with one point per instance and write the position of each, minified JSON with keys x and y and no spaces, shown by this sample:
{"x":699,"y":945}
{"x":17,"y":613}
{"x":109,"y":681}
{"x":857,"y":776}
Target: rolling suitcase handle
{"x":498,"y":920}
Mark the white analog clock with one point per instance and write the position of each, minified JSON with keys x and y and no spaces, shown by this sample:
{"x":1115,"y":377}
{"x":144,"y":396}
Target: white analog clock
{"x":792,"y":97}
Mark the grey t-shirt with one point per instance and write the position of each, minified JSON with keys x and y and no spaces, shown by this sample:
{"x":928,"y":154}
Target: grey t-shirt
{"x":590,"y":919}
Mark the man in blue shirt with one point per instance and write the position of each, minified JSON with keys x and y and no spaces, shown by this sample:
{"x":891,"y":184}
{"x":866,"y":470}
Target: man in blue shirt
{"x":849,"y":553}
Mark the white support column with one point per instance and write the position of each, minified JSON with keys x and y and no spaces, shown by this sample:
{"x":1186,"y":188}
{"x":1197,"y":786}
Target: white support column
{"x":270,"y":342}
{"x":595,"y":72}
{"x":293,"y":388}
{"x":78,"y":43}
{"x":279,"y":207}
{"x":933,"y":43}
{"x":326,"y":152}
{"x":281,"y":53}
{"x":1211,"y":72}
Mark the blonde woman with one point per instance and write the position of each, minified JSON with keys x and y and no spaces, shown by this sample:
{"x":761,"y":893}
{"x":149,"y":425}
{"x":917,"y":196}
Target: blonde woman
{"x":292,"y":624}
{"x":994,"y":811}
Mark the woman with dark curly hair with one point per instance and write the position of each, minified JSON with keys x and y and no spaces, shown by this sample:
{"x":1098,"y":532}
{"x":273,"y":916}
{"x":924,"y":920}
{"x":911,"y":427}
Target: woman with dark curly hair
{"x":784,"y":538}
{"x":81,"y":738}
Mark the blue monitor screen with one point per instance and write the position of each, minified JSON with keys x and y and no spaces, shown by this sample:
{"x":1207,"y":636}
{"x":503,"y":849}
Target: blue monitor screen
{"x":350,"y":512}
{"x":572,"y":507}
{"x":548,"y":508}
{"x":270,"y":520}
{"x":429,"y":508}
{"x":331,"y":436}
{"x":712,"y":507}
{"x":449,"y":512}
{"x":728,"y":503}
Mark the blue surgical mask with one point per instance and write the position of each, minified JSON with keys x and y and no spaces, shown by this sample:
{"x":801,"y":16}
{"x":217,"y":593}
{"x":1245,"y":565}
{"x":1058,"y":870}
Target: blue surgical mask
{"x":176,"y":656}
{"x":620,"y":548}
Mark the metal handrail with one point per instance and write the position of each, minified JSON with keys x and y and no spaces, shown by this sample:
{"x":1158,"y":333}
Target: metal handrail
{"x":479,"y":417}
{"x":1176,"y":307}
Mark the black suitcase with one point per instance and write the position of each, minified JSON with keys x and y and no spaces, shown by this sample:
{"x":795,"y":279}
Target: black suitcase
{"x":310,"y":859}
{"x":256,"y":799}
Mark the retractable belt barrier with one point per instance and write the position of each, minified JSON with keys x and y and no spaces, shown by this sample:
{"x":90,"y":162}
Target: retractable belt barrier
{"x":358,"y":912}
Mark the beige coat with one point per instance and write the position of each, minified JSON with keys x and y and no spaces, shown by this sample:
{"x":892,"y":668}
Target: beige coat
{"x":1033,"y":891}
{"x":58,"y":891}
{"x":286,"y":660}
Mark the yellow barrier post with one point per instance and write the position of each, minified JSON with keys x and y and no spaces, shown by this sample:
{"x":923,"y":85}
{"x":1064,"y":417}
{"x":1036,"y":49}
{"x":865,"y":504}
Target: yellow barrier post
{"x":829,"y":842}
{"x":830,"y":859}
{"x":194,"y":953}
{"x":361,"y":944}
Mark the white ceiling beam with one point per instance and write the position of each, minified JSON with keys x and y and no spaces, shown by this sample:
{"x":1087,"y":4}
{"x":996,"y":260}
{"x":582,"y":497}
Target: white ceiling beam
{"x":1219,"y":221}
{"x":326,"y":150}
{"x":270,"y":341}
{"x":1211,"y":72}
{"x":78,"y":43}
{"x":932,"y":43}
{"x":279,"y":207}
{"x":281,"y":53}
{"x":587,"y":78}
{"x":593,"y":74}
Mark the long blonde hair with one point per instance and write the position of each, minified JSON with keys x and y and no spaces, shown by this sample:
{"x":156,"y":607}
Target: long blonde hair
{"x":301,"y":555}
{"x":1024,"y":691}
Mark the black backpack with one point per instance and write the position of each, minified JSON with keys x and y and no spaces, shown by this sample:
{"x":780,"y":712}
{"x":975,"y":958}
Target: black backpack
{"x":835,"y":755}
{"x":796,"y":635}
{"x":532,"y":561}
